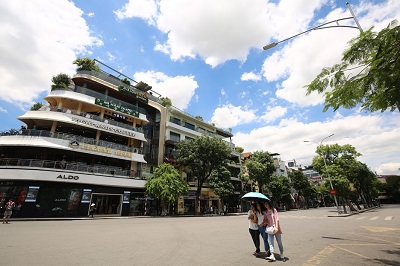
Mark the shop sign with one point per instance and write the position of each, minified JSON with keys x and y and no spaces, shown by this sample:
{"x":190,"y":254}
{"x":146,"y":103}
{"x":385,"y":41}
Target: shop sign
{"x":58,"y":200}
{"x":126,"y":197}
{"x":32,"y":194}
{"x":6,"y":183}
{"x":103,"y":126}
{"x":100,"y":149}
{"x":117,"y":107}
{"x":137,"y":95}
{"x":70,"y":177}
{"x":87,"y":192}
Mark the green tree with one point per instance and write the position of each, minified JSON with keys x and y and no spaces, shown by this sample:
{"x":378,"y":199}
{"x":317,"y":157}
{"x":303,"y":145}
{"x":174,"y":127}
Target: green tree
{"x":199,"y":117}
{"x":339,"y":160}
{"x":363,"y":180}
{"x":299,"y":181}
{"x":392,"y":188}
{"x":126,"y":81}
{"x":375,"y":59}
{"x":165,"y":101}
{"x":279,"y":186}
{"x":260,"y":167}
{"x":86,"y":64}
{"x":202,"y":155}
{"x":36,"y":106}
{"x":221,"y":182}
{"x":166,"y":185}
{"x":61,"y":80}
{"x":239,"y":149}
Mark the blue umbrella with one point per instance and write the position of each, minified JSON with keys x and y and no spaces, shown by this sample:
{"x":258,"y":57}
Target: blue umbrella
{"x":255,"y":196}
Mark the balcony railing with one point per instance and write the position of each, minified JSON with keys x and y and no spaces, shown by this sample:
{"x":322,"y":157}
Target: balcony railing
{"x":114,"y":80}
{"x":70,"y":137}
{"x":103,"y":97}
{"x":91,"y":116}
{"x":72,"y":166}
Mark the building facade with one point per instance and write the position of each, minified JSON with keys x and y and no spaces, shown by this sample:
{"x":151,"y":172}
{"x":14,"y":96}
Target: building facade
{"x":93,"y":142}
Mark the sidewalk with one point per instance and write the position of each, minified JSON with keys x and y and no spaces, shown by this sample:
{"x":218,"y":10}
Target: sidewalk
{"x":350,"y":213}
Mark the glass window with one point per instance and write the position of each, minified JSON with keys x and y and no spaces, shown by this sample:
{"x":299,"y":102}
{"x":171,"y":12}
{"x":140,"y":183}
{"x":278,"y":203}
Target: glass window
{"x":175,"y":120}
{"x":174,"y":136}
{"x":189,"y":126}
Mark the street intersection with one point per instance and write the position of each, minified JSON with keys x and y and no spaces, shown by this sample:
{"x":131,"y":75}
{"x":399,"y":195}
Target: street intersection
{"x":310,"y":237}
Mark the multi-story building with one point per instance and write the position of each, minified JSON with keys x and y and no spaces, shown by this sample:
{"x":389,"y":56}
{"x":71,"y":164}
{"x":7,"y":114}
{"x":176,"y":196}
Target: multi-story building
{"x":95,"y":141}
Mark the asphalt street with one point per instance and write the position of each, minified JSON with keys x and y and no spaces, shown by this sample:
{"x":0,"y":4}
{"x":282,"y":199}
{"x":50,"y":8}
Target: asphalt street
{"x":309,"y":237}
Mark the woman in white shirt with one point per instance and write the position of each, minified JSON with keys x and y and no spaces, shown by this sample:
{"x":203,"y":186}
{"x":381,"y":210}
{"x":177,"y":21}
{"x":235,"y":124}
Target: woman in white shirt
{"x":253,"y":228}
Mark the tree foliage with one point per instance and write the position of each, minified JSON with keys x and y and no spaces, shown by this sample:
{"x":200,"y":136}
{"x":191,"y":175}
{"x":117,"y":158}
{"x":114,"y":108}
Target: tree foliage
{"x":369,"y":73}
{"x":199,"y":117}
{"x":202,"y":155}
{"x":126,"y":81}
{"x":221,"y":182}
{"x":86,"y":64}
{"x":239,"y":149}
{"x":165,"y":101}
{"x":36,"y":106}
{"x":260,"y":167}
{"x":61,"y":80}
{"x":299,"y":181}
{"x":392,"y":188}
{"x":166,"y":184}
{"x":279,"y":186}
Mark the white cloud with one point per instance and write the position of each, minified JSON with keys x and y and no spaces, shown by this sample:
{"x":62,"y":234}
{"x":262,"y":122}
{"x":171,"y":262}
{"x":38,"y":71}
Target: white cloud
{"x":2,"y":110}
{"x":302,"y":59}
{"x":375,"y":136}
{"x":179,"y":89}
{"x":39,"y":44}
{"x":90,"y":15}
{"x":273,"y":113}
{"x":250,"y":76}
{"x":111,"y":58}
{"x":229,"y":116}
{"x":222,"y":30}
{"x":144,"y":9}
{"x":389,"y":168}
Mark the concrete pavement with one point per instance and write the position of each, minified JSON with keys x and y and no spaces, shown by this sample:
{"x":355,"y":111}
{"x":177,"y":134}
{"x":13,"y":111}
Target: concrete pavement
{"x":310,"y":238}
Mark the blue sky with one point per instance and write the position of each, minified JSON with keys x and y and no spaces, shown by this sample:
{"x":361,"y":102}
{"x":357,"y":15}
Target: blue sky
{"x":207,"y":57}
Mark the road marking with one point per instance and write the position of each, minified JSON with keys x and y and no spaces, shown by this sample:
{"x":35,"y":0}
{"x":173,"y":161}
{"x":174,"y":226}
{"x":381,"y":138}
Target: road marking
{"x":379,"y":229}
{"x":317,"y":259}
{"x":389,"y":218}
{"x":374,"y":218}
{"x":379,"y":239}
{"x":360,"y":218}
{"x":351,"y":252}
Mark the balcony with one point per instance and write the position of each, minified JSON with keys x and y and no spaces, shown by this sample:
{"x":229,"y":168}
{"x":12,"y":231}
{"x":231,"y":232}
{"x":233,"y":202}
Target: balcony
{"x":92,"y":117}
{"x":115,"y":81}
{"x":103,"y":97}
{"x":72,"y":166}
{"x":70,"y":137}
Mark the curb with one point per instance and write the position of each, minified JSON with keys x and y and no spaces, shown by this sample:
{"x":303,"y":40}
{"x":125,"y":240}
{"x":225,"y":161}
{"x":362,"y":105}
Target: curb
{"x":354,"y":213}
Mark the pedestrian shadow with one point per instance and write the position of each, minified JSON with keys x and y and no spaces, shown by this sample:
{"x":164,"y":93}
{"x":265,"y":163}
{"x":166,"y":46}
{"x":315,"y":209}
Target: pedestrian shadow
{"x":263,"y":256}
{"x":339,"y":238}
{"x":386,"y":262}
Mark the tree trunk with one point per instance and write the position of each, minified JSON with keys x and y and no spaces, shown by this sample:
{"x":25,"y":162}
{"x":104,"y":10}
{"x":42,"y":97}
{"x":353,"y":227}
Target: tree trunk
{"x":197,"y":201}
{"x":350,"y":206}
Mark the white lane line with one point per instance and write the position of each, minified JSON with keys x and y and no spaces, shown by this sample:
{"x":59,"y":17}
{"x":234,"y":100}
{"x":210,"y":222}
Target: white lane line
{"x":360,"y":218}
{"x":374,"y":218}
{"x":389,"y":218}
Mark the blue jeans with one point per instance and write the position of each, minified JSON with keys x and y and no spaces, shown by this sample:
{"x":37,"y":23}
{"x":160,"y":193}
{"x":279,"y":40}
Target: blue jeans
{"x":264,"y":236}
{"x":271,"y":242}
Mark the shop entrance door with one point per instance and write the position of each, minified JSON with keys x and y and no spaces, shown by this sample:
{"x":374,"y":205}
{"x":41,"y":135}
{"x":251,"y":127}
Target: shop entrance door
{"x":107,"y":204}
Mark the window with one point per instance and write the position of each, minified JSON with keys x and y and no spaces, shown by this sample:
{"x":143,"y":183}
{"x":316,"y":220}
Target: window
{"x":188,"y":138}
{"x":174,"y":136}
{"x":189,"y":126}
{"x":175,"y":120}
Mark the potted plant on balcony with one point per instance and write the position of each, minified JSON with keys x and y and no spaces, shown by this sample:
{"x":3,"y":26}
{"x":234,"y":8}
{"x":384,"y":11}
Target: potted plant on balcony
{"x":86,"y":64}
{"x":61,"y":80}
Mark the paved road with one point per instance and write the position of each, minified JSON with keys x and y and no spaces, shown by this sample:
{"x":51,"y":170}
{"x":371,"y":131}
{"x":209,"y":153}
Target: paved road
{"x":310,"y":238}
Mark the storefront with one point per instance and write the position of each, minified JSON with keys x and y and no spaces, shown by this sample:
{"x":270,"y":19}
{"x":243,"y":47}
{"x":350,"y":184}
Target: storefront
{"x":55,"y":199}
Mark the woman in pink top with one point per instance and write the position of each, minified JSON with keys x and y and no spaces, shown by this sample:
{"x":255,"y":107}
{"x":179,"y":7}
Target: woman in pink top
{"x":273,"y":220}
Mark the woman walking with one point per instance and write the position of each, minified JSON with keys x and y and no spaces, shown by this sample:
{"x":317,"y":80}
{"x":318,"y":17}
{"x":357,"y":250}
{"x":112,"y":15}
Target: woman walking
{"x":262,"y":222}
{"x":274,"y":229}
{"x":253,"y":228}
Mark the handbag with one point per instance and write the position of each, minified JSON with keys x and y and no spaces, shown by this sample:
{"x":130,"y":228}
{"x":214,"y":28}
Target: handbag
{"x":271,"y":230}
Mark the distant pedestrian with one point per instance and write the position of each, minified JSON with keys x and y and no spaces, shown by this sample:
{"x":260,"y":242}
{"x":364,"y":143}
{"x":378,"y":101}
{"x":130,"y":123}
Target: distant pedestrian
{"x":262,"y":224}
{"x":92,"y":208}
{"x":225,"y":208}
{"x":253,"y":228}
{"x":10,"y":205}
{"x":273,"y":221}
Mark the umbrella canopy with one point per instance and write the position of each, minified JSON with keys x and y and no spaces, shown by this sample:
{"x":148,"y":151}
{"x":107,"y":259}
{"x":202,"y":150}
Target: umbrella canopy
{"x":255,"y":196}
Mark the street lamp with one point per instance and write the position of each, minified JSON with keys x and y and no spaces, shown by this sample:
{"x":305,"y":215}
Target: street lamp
{"x":322,"y":26}
{"x":326,"y":168}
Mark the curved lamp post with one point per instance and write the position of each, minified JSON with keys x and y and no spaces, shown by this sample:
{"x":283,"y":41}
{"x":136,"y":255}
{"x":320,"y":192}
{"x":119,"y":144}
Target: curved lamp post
{"x":322,"y":26}
{"x":326,"y":168}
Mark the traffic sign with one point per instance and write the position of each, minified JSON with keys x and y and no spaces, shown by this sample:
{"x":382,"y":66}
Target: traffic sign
{"x":333,"y":192}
